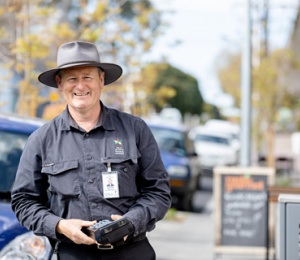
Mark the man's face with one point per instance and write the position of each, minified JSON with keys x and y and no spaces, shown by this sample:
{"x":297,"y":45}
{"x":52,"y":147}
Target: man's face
{"x":81,"y":87}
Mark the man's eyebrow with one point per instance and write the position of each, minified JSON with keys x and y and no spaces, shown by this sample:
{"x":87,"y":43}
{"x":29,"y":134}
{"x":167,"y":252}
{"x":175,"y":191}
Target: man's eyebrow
{"x":72,"y":74}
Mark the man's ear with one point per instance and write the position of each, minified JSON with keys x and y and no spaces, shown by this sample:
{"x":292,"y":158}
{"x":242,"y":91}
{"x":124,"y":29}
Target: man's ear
{"x":58,"y":81}
{"x":102,"y":79}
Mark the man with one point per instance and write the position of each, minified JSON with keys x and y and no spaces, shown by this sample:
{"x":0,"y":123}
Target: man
{"x":72,"y":157}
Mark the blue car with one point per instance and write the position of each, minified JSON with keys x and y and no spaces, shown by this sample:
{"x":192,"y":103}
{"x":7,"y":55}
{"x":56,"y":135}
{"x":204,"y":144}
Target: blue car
{"x":180,"y":160}
{"x":16,"y":242}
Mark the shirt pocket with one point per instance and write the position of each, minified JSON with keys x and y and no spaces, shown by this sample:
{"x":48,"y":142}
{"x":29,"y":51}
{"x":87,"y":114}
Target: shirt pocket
{"x":127,"y":169}
{"x":63,"y":178}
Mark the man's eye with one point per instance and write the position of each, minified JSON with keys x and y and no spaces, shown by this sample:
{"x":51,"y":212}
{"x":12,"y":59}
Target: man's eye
{"x":87,"y":77}
{"x":71,"y":79}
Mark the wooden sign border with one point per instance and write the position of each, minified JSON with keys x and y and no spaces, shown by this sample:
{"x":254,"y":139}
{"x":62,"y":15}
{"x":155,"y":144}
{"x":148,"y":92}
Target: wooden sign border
{"x":217,"y":190}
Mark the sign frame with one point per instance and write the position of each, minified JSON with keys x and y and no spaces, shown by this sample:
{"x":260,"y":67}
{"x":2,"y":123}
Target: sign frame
{"x":218,"y":172}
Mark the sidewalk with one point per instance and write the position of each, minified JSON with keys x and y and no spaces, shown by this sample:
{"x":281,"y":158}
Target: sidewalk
{"x":188,"y":237}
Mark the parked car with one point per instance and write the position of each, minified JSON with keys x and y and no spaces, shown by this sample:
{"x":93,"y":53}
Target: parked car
{"x":16,"y":242}
{"x":226,"y":127}
{"x":214,"y":148}
{"x":180,"y":160}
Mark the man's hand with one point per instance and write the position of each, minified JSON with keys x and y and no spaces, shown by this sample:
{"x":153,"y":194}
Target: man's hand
{"x":116,"y":217}
{"x":71,"y":228}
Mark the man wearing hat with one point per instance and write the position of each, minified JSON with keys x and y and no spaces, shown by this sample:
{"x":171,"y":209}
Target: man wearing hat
{"x":61,"y":182}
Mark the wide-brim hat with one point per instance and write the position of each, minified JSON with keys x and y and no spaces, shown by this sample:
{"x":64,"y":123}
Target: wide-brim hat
{"x":78,"y":53}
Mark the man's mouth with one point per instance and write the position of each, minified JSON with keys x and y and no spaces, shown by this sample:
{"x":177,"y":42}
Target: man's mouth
{"x":81,"y":94}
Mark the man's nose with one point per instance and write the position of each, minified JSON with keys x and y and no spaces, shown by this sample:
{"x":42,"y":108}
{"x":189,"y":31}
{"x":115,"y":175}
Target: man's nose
{"x":80,"y":84}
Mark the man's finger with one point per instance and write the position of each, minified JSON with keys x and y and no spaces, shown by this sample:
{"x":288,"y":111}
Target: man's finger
{"x":115,"y":217}
{"x":88,"y":223}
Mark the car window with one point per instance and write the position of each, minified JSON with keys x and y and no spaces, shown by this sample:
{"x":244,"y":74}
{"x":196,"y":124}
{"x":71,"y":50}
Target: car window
{"x":212,"y":139}
{"x":11,"y":147}
{"x":169,"y":140}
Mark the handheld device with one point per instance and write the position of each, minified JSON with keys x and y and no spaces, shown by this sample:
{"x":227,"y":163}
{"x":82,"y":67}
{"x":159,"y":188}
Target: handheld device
{"x":109,"y":232}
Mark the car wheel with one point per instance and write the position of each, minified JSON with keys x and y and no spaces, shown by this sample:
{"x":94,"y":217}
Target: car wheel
{"x":185,"y":203}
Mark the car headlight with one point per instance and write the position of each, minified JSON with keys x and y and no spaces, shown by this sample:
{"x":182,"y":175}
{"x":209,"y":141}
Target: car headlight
{"x":178,"y":171}
{"x":26,"y":246}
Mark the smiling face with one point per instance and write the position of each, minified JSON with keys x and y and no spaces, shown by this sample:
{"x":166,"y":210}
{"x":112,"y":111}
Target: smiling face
{"x":81,"y":88}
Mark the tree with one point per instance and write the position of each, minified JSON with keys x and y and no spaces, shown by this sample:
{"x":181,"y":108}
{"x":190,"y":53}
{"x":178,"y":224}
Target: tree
{"x":188,"y":98}
{"x":166,"y":84}
{"x":269,"y":92}
{"x":20,"y":47}
{"x":123,"y":30}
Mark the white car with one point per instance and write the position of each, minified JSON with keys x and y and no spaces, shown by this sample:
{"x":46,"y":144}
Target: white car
{"x":214,"y":148}
{"x":226,"y":127}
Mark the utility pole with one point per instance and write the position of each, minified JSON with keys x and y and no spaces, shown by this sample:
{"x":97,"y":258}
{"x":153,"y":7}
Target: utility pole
{"x":245,"y":158}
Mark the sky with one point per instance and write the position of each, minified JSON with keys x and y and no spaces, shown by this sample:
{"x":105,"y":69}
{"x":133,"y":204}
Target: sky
{"x":199,"y":30}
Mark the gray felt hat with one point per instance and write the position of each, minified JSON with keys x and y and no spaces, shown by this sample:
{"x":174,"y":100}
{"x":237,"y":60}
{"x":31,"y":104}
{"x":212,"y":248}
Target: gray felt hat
{"x":78,"y":53}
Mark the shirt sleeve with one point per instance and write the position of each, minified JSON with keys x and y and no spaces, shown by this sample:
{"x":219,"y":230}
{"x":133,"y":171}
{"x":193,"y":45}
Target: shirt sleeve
{"x":155,"y":199}
{"x":29,"y":193}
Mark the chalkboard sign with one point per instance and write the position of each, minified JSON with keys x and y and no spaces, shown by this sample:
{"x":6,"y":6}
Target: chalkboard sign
{"x":244,"y":210}
{"x":241,"y":208}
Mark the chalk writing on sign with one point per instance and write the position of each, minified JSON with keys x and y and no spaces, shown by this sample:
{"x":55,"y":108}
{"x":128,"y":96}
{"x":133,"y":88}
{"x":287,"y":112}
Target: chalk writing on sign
{"x":244,"y":202}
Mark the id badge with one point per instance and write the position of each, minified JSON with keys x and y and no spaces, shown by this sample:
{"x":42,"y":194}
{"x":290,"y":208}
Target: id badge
{"x":110,"y":185}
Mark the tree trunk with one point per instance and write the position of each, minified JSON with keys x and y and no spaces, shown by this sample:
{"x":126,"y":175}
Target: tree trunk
{"x":270,"y":145}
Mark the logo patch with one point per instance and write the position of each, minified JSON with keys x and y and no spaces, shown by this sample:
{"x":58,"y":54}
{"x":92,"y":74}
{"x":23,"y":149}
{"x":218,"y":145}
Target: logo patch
{"x":119,"y":150}
{"x":118,"y":142}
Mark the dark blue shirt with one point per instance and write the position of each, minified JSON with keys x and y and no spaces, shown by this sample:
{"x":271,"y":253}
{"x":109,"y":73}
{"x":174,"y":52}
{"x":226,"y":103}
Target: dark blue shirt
{"x":60,"y":173}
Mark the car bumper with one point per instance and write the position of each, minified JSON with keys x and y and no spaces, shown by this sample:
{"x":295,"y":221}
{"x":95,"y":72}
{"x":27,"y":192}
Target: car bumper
{"x":178,"y":187}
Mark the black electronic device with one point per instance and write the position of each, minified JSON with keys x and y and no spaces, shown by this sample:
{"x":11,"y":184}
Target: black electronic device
{"x":110,"y":232}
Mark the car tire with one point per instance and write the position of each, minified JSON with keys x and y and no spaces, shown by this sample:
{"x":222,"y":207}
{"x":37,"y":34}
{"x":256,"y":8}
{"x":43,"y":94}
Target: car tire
{"x":185,"y":203}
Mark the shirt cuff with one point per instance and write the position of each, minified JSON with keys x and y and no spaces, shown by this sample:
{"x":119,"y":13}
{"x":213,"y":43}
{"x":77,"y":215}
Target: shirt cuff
{"x":136,"y":219}
{"x":50,"y":227}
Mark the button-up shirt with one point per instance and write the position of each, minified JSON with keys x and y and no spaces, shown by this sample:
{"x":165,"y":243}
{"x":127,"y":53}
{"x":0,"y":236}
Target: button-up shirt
{"x":61,"y":168}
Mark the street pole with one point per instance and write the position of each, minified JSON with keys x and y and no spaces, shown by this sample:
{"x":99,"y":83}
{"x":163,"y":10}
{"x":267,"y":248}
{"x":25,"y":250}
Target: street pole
{"x":245,"y":156}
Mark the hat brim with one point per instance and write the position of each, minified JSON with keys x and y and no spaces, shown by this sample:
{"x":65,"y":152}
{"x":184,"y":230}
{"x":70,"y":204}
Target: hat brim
{"x":112,"y":73}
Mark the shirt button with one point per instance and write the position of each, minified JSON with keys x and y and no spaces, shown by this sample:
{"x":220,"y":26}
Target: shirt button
{"x":87,"y":135}
{"x":90,"y":157}
{"x":91,"y":180}
{"x":125,"y":170}
{"x":94,"y":205}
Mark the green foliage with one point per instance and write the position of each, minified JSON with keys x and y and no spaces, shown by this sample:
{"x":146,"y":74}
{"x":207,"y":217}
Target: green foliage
{"x":161,"y":84}
{"x":269,"y":90}
{"x":188,"y":98}
{"x":212,"y":111}
{"x":123,"y":30}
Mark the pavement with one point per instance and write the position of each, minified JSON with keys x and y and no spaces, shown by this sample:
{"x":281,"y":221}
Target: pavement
{"x":190,"y":236}
{"x":185,"y":236}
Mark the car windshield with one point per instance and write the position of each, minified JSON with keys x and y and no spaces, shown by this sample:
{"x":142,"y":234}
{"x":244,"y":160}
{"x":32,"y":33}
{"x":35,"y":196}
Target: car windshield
{"x":169,"y":140}
{"x":212,"y":139}
{"x":11,"y":147}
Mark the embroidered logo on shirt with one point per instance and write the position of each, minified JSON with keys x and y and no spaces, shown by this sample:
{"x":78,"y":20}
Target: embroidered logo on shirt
{"x":118,"y":142}
{"x":119,"y":150}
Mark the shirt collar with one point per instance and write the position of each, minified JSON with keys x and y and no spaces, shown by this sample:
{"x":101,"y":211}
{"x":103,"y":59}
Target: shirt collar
{"x":105,"y":119}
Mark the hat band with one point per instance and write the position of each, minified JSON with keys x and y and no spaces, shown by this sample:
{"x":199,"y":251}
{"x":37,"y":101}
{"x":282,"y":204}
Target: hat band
{"x":76,"y":62}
